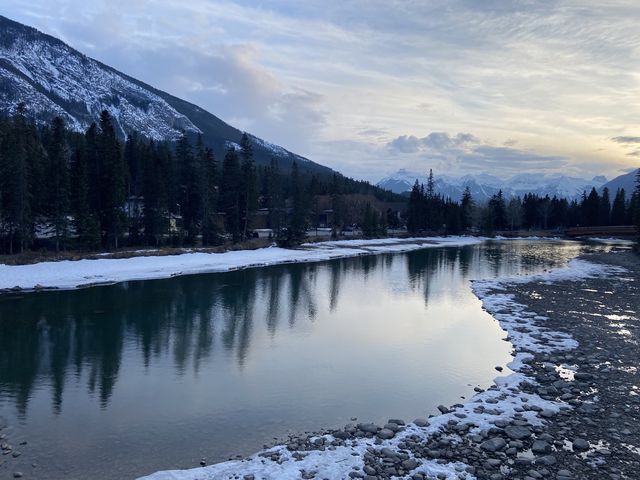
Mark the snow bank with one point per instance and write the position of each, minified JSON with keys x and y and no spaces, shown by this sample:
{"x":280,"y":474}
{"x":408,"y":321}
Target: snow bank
{"x":70,"y":274}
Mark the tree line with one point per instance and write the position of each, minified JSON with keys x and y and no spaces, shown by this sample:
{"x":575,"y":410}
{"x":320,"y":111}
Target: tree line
{"x":429,"y":211}
{"x":94,"y":190}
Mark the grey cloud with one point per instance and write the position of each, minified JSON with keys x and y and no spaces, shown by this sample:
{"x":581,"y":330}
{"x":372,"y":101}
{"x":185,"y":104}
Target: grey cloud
{"x":626,"y":139}
{"x":464,"y":152}
{"x":373,"y":132}
{"x":435,"y":141}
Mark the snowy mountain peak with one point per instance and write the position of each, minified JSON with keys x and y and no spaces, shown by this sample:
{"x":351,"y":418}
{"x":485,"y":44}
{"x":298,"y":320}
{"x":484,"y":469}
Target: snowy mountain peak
{"x":52,"y":79}
{"x":483,"y":185}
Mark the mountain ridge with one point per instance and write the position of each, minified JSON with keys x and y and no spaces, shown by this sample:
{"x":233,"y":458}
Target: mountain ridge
{"x":54,"y":79}
{"x":483,"y":186}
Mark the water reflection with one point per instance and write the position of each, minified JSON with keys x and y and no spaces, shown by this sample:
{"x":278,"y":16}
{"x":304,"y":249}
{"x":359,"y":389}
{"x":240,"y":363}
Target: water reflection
{"x":45,"y":338}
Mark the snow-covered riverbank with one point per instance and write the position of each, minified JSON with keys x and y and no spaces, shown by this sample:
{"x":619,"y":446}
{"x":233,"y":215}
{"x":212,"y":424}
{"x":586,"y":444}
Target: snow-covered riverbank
{"x":490,"y":431}
{"x":70,"y":274}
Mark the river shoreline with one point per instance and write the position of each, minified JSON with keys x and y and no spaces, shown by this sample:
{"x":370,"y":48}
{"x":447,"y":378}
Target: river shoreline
{"x":74,"y":274}
{"x":538,"y":422}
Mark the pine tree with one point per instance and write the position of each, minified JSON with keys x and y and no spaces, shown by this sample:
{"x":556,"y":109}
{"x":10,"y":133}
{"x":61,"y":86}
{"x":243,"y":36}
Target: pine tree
{"x":112,"y":182}
{"x":58,"y":183}
{"x":604,"y":217}
{"x":248,"y":187}
{"x":619,"y":208}
{"x":467,"y":209}
{"x":514,"y":214}
{"x":499,"y":211}
{"x":155,"y":213}
{"x":191,"y":187}
{"x":591,"y":208}
{"x":298,"y":223}
{"x":431,"y":186}
{"x":16,"y":199}
{"x":273,"y":195}
{"x":230,"y":194}
{"x":134,"y":152}
{"x":210,"y":230}
{"x":85,"y":219}
{"x":415,"y":209}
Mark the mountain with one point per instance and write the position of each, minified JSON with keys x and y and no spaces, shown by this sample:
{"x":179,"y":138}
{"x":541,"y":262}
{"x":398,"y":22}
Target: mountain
{"x":626,"y":181}
{"x":483,"y":186}
{"x":53,"y":79}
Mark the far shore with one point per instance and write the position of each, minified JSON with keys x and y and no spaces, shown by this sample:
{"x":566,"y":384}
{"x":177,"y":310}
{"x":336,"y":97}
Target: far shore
{"x":143,"y":265}
{"x":44,"y":255}
{"x":108,"y":268}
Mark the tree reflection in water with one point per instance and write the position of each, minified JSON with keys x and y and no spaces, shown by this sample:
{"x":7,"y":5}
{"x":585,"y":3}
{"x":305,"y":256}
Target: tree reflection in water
{"x":48,"y":338}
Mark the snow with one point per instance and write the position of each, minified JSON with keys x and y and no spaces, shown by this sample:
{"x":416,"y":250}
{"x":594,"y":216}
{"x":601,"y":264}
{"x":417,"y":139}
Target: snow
{"x":60,"y":81}
{"x":70,"y":274}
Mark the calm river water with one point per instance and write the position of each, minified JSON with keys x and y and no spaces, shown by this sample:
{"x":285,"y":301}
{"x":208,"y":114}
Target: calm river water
{"x":124,"y":380}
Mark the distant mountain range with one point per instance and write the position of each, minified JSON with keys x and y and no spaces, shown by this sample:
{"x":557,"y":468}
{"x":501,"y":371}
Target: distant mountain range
{"x":53,"y":79}
{"x":484,"y":186}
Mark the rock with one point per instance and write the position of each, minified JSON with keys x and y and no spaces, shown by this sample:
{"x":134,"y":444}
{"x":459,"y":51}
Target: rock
{"x":547,"y":460}
{"x":394,"y":427}
{"x":443,"y":409}
{"x":410,"y":464}
{"x":368,"y":427}
{"x":540,"y":446}
{"x":385,"y":434}
{"x":580,"y":444}
{"x":515,"y":432}
{"x":387,"y":452}
{"x":420,"y":422}
{"x":493,"y":444}
{"x":17,"y":475}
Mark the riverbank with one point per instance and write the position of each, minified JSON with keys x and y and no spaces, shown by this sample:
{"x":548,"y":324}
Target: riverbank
{"x":71,"y":274}
{"x":569,"y":410}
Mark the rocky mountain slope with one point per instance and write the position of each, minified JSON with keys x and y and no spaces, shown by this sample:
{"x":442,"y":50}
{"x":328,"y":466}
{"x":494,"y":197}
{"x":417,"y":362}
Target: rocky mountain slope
{"x":626,"y":181}
{"x":53,"y":79}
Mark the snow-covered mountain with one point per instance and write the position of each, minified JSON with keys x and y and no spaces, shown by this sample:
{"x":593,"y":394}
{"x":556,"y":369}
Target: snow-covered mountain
{"x":483,"y":186}
{"x":53,"y":79}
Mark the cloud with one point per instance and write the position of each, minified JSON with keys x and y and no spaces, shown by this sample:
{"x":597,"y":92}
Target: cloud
{"x":435,"y":141}
{"x":554,"y":78}
{"x":625,"y":140}
{"x":465,"y":153}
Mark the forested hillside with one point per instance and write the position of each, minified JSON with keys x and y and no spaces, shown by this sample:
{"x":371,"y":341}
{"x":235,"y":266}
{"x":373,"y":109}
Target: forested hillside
{"x":62,"y":189}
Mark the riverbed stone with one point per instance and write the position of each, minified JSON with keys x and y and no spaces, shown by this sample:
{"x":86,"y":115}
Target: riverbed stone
{"x":516,"y":432}
{"x":385,"y":434}
{"x":580,"y":444}
{"x":493,"y":444}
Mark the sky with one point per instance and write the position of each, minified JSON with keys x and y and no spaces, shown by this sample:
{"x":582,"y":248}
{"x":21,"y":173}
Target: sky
{"x":371,"y":86}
